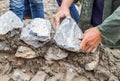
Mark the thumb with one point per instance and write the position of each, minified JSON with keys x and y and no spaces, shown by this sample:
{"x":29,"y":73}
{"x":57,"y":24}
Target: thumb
{"x":81,"y":37}
{"x":68,"y":15}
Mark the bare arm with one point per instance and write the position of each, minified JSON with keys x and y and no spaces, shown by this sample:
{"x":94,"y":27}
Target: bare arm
{"x":66,"y":3}
{"x":63,"y":12}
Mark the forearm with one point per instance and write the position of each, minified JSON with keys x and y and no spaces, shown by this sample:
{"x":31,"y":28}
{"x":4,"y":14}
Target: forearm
{"x":110,"y":28}
{"x":66,"y":3}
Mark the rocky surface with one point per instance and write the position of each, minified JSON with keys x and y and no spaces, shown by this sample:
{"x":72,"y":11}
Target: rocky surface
{"x":103,"y":65}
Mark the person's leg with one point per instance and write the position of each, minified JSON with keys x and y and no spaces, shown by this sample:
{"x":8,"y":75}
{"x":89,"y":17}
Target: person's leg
{"x":17,"y":6}
{"x":37,"y":8}
{"x":27,"y":11}
{"x":73,"y":11}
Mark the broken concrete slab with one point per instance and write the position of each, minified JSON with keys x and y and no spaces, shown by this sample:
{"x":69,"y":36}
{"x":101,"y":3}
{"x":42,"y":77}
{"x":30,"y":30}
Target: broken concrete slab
{"x":25,"y":52}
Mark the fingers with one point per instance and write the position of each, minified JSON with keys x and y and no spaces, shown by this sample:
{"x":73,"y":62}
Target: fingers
{"x":81,"y":37}
{"x":56,"y":21}
{"x":67,"y":15}
{"x":62,"y":13}
{"x":83,"y":45}
{"x":93,"y":51}
{"x":90,"y":49}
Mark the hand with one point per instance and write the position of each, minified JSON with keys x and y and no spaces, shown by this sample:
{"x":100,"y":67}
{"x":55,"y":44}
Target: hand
{"x":62,"y":13}
{"x":90,"y":40}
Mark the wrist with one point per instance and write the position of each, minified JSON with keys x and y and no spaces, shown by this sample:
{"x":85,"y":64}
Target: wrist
{"x":63,"y":8}
{"x":98,"y":32}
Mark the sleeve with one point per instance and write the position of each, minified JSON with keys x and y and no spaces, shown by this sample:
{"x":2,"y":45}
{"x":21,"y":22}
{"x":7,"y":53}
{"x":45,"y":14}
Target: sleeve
{"x":110,"y":28}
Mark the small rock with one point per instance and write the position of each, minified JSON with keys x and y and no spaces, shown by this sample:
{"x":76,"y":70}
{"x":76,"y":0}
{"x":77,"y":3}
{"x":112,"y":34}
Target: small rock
{"x":55,"y":53}
{"x":18,"y":75}
{"x":4,"y":46}
{"x":92,"y":65}
{"x":81,"y":78}
{"x":70,"y":75}
{"x":7,"y":69}
{"x":56,"y":77}
{"x":40,"y":76}
{"x":113,"y":78}
{"x":4,"y":78}
{"x":25,"y":52}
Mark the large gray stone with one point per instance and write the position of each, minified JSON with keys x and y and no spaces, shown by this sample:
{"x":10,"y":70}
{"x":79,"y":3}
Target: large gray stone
{"x":37,"y":33}
{"x":8,"y":22}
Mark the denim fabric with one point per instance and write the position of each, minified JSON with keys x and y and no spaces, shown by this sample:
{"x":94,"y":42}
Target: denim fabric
{"x":73,"y":11}
{"x":27,"y":11}
{"x":17,"y":6}
{"x":35,"y":7}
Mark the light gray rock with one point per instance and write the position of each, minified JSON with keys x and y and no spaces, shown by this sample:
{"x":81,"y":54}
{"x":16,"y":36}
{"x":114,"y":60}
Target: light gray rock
{"x":55,"y":53}
{"x":8,"y":22}
{"x":40,"y":76}
{"x":67,"y":34}
{"x":25,"y":52}
{"x":18,"y":75}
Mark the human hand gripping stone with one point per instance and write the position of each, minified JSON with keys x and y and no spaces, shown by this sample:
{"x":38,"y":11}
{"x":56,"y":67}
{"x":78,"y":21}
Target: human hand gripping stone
{"x":62,"y":13}
{"x":90,"y":40}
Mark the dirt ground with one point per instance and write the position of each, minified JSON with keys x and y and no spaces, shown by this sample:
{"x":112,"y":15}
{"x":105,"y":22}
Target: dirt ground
{"x":103,"y":65}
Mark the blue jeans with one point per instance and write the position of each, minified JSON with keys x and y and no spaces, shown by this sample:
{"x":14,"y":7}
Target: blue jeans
{"x":73,"y":11}
{"x":36,"y":8}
